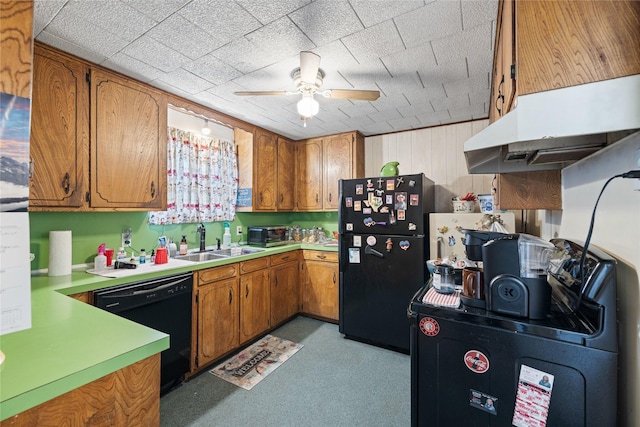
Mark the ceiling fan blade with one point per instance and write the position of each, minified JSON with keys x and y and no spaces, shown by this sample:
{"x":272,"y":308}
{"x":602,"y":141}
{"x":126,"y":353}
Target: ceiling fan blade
{"x":358,"y":95}
{"x":309,"y":64}
{"x":265,"y":92}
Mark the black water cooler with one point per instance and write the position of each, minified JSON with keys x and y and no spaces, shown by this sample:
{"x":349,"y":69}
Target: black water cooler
{"x":475,"y":367}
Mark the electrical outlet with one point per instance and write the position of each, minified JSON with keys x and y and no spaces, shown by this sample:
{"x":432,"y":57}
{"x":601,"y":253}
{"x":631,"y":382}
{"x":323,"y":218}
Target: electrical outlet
{"x":239,"y":230}
{"x":126,"y":237}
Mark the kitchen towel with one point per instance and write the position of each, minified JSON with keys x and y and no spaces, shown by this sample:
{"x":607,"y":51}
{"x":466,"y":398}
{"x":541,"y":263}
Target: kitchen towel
{"x":443,"y":300}
{"x":59,"y":253}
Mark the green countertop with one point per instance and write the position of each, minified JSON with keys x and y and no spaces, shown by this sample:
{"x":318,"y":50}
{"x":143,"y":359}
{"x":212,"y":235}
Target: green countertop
{"x":71,"y":343}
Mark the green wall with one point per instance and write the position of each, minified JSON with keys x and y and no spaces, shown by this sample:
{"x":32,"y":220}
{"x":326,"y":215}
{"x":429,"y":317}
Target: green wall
{"x":89,"y":229}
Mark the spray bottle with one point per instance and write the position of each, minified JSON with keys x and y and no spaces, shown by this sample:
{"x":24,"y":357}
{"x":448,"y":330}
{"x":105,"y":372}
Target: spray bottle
{"x":100,"y":261}
{"x":226,"y":237}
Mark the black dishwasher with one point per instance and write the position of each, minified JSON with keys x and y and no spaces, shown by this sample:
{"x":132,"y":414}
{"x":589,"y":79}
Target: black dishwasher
{"x":162,"y":304}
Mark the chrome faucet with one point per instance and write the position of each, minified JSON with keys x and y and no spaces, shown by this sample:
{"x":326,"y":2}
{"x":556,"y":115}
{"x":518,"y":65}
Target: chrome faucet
{"x":202,"y":232}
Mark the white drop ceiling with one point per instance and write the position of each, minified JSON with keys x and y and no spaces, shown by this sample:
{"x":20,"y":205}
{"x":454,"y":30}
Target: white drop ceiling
{"x":430,"y":60}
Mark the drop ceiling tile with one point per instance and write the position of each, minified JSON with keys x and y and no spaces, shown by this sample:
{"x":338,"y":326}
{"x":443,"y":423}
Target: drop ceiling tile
{"x":374,"y":42}
{"x":267,"y":11}
{"x":80,"y":32}
{"x":434,"y":118}
{"x":132,"y":67}
{"x":212,"y":69}
{"x":433,"y":21}
{"x":404,"y":84}
{"x":363,"y":76}
{"x":357,"y":122}
{"x":451,"y":102}
{"x":185,"y":37}
{"x":358,"y":108}
{"x":468,"y":85}
{"x":66,"y":46}
{"x":157,"y":10}
{"x":404,"y":123}
{"x":324,"y":21}
{"x":422,"y":108}
{"x":223,"y":19}
{"x":468,"y":112}
{"x":242,"y":55}
{"x":478,"y":96}
{"x":377,"y":128}
{"x":478,"y":12}
{"x":155,"y":54}
{"x":115,"y":16}
{"x":186,"y":81}
{"x":371,"y":14}
{"x":390,"y":102}
{"x":463,"y":44}
{"x":44,"y":12}
{"x":281,"y":39}
{"x":383,"y":115}
{"x":416,"y":59}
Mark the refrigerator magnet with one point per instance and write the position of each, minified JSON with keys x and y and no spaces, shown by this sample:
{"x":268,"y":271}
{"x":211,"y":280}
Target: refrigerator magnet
{"x":348,"y":202}
{"x":349,"y":226}
{"x":357,"y":205}
{"x":389,"y":199}
{"x":354,"y":255}
{"x":391,"y":185}
{"x":399,"y":181}
{"x":371,"y":240}
{"x":412,"y":183}
{"x":359,"y":189}
{"x":401,"y":201}
{"x":357,"y":241}
{"x":380,"y":182}
{"x":384,"y":209}
{"x":412,"y":226}
{"x":389,"y":244}
{"x":366,"y":211}
{"x":404,"y":245}
{"x":401,"y":215}
{"x":414,"y":199}
{"x":369,"y":185}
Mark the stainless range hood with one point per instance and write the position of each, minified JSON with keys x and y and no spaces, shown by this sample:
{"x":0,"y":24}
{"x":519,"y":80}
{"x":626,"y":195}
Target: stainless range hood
{"x":552,"y":129}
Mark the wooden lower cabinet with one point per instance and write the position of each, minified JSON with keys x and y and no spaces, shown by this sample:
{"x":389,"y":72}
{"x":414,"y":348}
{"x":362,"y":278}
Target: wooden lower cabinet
{"x":320,"y":284}
{"x":284,"y":287}
{"x":216,"y":316}
{"x":127,"y":397}
{"x":254,"y":304}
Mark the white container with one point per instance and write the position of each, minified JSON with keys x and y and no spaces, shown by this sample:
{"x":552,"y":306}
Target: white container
{"x":486,"y":203}
{"x":463,"y":206}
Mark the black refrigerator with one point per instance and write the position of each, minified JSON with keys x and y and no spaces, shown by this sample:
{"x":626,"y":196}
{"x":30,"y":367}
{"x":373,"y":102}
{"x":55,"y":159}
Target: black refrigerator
{"x":383,"y":251}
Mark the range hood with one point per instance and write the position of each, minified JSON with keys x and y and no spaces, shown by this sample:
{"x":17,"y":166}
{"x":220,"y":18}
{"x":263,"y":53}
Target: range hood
{"x":552,"y":129}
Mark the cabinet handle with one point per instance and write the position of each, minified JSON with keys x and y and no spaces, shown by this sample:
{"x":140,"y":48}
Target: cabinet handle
{"x":500,"y":97}
{"x":329,"y":197}
{"x":322,"y":256}
{"x":153,"y":189}
{"x":281,"y":198}
{"x":316,"y":197}
{"x":66,"y":183}
{"x":230,"y":296}
{"x":334,"y":277}
{"x":247,"y":288}
{"x":30,"y":167}
{"x":276,"y":284}
{"x":261,"y":197}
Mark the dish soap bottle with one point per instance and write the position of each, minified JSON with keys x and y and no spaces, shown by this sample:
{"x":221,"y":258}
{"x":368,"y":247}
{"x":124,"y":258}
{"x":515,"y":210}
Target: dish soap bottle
{"x":100,"y":261}
{"x":172,"y":248}
{"x":226,"y":237}
{"x":183,"y":245}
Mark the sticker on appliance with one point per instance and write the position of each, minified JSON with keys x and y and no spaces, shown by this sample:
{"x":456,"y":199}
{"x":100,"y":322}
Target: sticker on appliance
{"x":357,"y":205}
{"x":414,"y":199}
{"x":348,"y":202}
{"x":357,"y":241}
{"x":389,"y":199}
{"x":483,"y":401}
{"x":391,"y":184}
{"x":359,"y":189}
{"x":476,"y":361}
{"x":354,"y":255}
{"x":532,"y":398}
{"x":429,"y":326}
{"x":401,"y":201}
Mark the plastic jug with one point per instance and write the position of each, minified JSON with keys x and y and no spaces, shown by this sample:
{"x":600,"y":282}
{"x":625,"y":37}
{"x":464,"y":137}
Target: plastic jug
{"x":390,"y":169}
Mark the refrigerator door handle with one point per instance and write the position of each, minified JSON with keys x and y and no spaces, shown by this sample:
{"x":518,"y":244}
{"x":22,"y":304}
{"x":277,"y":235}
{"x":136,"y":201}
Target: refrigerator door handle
{"x":370,"y":251}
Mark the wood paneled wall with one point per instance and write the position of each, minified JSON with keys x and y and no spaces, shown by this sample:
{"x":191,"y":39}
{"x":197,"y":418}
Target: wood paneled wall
{"x":438,"y":152}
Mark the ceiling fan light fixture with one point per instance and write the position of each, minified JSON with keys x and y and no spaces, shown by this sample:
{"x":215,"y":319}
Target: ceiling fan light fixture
{"x":307,"y":106}
{"x":206,"y":130}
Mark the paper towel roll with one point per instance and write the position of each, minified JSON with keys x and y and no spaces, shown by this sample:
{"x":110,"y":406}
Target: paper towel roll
{"x":59,"y":253}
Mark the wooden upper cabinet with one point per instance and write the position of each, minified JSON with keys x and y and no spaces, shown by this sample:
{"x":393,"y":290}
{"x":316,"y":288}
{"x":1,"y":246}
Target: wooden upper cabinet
{"x":286,"y":174}
{"x":502,"y":81}
{"x":265,"y":155}
{"x":128,"y":144}
{"x":59,"y":131}
{"x":309,"y":175}
{"x":343,"y":158}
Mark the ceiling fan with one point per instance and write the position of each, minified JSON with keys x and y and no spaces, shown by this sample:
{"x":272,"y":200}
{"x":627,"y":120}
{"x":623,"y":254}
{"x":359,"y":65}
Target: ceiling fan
{"x":307,"y":80}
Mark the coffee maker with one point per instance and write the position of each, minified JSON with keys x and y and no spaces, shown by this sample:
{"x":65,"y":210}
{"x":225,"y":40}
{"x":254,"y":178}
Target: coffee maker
{"x":515,"y":267}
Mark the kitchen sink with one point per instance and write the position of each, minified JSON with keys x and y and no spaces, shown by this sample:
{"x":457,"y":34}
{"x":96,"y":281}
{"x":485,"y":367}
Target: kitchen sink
{"x":217,"y":254}
{"x":202,"y":256}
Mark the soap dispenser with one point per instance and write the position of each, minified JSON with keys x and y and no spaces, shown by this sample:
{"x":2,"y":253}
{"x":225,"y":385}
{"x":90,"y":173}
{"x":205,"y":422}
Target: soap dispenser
{"x":183,"y":245}
{"x":226,"y":237}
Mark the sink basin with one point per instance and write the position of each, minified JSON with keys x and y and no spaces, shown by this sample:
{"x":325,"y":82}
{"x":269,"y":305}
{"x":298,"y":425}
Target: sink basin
{"x":202,"y":256}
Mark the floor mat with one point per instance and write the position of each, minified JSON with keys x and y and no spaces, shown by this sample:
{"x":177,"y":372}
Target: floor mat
{"x":253,"y":364}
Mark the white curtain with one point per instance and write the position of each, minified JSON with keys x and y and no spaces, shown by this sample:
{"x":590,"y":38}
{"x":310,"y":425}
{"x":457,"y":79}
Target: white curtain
{"x":202,"y":179}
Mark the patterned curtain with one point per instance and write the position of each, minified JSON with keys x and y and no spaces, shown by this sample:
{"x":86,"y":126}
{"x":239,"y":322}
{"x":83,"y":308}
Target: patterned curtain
{"x":202,"y":179}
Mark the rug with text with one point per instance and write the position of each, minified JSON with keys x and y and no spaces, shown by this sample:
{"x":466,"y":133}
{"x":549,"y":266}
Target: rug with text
{"x":253,"y":364}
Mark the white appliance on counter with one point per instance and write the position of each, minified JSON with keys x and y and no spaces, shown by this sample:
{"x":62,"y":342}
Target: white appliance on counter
{"x":447,"y":241}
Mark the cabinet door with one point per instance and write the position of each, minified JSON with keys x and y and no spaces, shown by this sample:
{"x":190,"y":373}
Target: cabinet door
{"x":309,"y":175}
{"x":320,"y":293}
{"x":128,"y":144}
{"x":336,"y":152}
{"x":286,"y":174}
{"x":254,"y":304}
{"x":264,"y":175}
{"x":218,"y":319}
{"x":59,"y":143}
{"x":284,"y":292}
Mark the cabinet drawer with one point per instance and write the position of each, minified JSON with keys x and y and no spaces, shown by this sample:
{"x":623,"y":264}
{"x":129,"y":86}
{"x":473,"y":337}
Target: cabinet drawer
{"x":217,"y":273}
{"x":321,"y":255}
{"x":254,"y":264}
{"x":284,"y":257}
